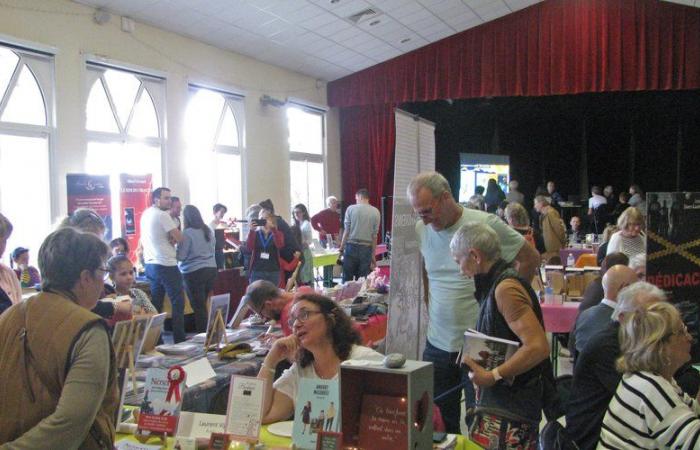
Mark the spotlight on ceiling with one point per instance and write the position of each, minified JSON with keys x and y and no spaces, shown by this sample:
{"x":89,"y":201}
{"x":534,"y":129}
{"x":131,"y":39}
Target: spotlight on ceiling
{"x":405,"y":40}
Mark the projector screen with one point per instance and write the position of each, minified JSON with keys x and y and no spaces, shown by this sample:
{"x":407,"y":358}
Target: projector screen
{"x":476,"y":169}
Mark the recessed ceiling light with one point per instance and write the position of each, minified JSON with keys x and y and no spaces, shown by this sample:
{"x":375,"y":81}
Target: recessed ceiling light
{"x":404,"y":40}
{"x":335,"y":1}
{"x":375,"y":22}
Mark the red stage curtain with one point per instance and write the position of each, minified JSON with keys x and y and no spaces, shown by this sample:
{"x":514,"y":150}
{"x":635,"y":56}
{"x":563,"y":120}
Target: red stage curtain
{"x":554,"y":47}
{"x":367,"y":135}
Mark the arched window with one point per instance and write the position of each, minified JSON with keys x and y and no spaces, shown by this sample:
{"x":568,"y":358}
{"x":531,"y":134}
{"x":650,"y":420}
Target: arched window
{"x":307,"y":173}
{"x":124,"y":122}
{"x":26,"y":126}
{"x":214,"y":133}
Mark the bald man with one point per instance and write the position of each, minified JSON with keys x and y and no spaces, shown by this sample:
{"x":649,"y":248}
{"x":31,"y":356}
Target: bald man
{"x":595,"y":319}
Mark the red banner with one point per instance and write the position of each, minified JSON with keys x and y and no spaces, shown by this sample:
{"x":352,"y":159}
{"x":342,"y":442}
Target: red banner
{"x":135,"y":197}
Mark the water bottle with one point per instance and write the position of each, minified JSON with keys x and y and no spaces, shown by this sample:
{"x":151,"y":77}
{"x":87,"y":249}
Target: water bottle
{"x":570,"y":260}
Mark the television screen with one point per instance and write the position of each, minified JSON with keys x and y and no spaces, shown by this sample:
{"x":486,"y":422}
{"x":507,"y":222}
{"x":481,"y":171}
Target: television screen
{"x":476,"y":169}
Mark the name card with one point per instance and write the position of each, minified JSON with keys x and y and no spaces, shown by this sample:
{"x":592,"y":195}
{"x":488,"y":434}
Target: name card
{"x":245,"y":403}
{"x":200,"y":425}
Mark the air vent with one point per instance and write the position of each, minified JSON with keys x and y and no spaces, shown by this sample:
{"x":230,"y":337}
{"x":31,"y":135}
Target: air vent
{"x":363,"y":15}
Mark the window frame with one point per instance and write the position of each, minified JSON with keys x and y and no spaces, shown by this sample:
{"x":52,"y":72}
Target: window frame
{"x":309,"y":157}
{"x":234,"y":98}
{"x":94,"y":68}
{"x":41,"y":61}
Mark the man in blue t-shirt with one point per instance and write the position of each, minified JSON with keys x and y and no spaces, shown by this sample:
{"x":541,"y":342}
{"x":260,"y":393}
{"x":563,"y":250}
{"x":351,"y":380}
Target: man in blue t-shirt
{"x":452,"y":308}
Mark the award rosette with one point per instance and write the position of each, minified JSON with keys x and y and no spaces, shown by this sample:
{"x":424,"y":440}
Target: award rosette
{"x":160,"y":408}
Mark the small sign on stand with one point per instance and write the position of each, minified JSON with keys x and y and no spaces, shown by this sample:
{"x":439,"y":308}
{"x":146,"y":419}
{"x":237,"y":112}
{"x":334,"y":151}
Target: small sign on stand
{"x":245,"y":408}
{"x":160,"y":408}
{"x":216,"y":323}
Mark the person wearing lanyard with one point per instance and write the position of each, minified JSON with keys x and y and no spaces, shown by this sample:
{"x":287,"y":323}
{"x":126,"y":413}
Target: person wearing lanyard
{"x":265,"y":240}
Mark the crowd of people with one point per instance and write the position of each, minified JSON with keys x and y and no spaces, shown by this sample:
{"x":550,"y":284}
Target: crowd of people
{"x":632,"y":385}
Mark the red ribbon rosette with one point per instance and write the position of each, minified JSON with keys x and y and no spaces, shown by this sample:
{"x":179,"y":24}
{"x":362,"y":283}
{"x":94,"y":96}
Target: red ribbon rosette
{"x":176,"y":375}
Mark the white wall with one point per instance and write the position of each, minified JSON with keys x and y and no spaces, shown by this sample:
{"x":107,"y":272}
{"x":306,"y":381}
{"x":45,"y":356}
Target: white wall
{"x":69,"y":28}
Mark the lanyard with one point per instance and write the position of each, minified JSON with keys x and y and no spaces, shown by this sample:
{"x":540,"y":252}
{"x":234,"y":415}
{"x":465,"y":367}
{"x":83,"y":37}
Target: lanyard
{"x":265,"y":241}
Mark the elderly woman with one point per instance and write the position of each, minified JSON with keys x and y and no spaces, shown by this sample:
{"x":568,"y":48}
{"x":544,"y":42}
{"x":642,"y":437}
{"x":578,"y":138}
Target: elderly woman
{"x":323,"y":338}
{"x":649,"y":410}
{"x":518,"y":219}
{"x":509,"y":310}
{"x":58,"y":374}
{"x":630,"y":240}
{"x":10,"y":289}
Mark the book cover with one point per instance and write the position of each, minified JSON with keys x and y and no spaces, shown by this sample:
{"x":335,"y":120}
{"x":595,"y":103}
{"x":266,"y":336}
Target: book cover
{"x":160,"y":407}
{"x":383,"y":422}
{"x":490,"y":352}
{"x":317,"y":409}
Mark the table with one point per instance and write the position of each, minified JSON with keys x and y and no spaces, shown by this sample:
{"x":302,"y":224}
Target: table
{"x":326,"y":260}
{"x":558,"y":319}
{"x":564,"y":253}
{"x":270,"y":440}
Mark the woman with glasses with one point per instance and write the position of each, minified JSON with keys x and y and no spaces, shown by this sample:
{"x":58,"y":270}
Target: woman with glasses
{"x":58,"y":372}
{"x":649,"y":410}
{"x":323,"y":337}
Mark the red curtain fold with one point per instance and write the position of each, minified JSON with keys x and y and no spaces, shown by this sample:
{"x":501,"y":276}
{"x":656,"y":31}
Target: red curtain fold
{"x":554,"y":47}
{"x":367,"y":135}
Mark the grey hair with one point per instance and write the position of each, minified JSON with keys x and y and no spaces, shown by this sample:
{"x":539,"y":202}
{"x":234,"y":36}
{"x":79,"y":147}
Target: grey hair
{"x":476,"y":235}
{"x":517,"y":215}
{"x":86,"y":220}
{"x":634,"y":296}
{"x":476,"y":202}
{"x":645,"y":336}
{"x":638,"y":261}
{"x":5,"y":227}
{"x":432,"y":181}
{"x":259,"y":292}
{"x":542,"y":200}
{"x":65,"y":253}
{"x":252,"y":212}
{"x":330,"y":199}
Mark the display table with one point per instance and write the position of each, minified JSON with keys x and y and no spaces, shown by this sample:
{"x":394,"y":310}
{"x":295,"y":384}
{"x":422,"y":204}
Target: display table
{"x":576,"y":252}
{"x":270,"y":440}
{"x":558,"y":319}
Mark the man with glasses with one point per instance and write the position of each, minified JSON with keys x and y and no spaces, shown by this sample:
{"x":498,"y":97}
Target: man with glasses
{"x":452,"y":307}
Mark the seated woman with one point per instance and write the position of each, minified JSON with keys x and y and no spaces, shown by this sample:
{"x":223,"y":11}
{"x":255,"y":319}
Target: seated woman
{"x":265,"y":242}
{"x":323,"y":338}
{"x":630,"y":240}
{"x":649,"y":410}
{"x":508,"y":309}
{"x":58,"y":370}
{"x":27,"y":275}
{"x":121,"y":274}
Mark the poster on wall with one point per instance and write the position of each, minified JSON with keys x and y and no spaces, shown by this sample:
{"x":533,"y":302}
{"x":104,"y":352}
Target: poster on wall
{"x":134,"y":198}
{"x":673,"y":253}
{"x":92,"y":192}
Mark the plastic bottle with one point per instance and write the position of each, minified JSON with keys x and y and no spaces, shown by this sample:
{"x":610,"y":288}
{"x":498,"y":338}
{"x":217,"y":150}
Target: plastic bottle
{"x":570,"y":260}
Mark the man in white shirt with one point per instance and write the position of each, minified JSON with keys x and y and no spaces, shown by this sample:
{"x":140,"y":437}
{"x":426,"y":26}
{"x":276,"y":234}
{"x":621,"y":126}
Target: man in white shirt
{"x":159,"y":234}
{"x":596,"y":199}
{"x":514,"y":195}
{"x":452,"y":307}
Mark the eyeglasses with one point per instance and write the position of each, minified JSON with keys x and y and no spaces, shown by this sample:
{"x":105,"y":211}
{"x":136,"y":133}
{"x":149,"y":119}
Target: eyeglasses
{"x":103,"y":269}
{"x":302,"y":316}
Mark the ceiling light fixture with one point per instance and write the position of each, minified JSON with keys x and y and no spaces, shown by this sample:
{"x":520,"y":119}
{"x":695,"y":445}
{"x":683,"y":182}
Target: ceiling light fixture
{"x":404,"y":40}
{"x":375,"y":22}
{"x":334,"y":2}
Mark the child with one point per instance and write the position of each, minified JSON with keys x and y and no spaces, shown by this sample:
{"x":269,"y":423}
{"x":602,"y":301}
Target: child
{"x":119,"y":246}
{"x":27,"y":275}
{"x":121,"y":272}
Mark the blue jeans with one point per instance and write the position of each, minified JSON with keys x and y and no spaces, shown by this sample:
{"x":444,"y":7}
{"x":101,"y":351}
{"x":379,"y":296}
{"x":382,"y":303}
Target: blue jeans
{"x":447,"y":374}
{"x":356,"y":261}
{"x":168,"y":279}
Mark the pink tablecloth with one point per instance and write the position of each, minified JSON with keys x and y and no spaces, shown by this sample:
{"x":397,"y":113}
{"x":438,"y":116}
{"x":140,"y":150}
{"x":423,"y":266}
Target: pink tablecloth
{"x":559,"y":318}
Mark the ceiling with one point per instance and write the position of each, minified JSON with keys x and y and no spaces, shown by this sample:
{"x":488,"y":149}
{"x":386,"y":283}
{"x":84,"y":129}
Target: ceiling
{"x":319,"y":38}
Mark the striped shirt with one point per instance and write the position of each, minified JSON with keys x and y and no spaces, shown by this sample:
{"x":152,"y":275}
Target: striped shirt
{"x":650,"y":412}
{"x":630,"y":246}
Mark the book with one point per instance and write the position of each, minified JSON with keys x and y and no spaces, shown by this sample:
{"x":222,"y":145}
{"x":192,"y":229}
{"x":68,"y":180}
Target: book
{"x":489,"y":351}
{"x":317,"y":408}
{"x":160,"y":407}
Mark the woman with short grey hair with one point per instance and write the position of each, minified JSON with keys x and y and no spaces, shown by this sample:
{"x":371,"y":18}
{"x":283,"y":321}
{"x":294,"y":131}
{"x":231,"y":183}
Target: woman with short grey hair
{"x":10,"y":289}
{"x":649,"y":410}
{"x":519,"y":220}
{"x":85,"y":219}
{"x":59,"y":374}
{"x":508,"y":309}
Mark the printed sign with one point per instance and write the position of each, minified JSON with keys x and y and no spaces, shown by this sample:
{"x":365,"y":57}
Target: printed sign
{"x":134,"y":198}
{"x":245,"y":404}
{"x":91,"y":192}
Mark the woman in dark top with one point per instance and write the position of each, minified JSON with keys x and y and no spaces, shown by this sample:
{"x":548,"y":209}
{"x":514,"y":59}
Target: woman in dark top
{"x":494,"y":196}
{"x":265,"y":242}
